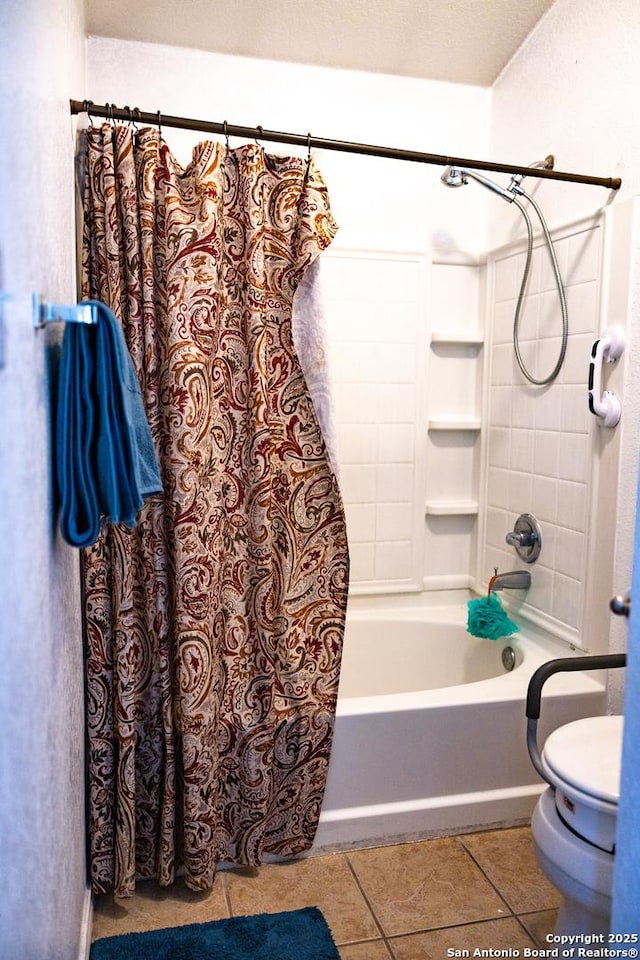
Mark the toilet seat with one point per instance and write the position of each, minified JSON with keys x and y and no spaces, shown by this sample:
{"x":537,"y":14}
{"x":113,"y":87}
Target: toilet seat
{"x":583,"y":762}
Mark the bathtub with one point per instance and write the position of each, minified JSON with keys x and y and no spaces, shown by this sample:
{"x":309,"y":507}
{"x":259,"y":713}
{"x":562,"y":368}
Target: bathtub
{"x":430,"y":733}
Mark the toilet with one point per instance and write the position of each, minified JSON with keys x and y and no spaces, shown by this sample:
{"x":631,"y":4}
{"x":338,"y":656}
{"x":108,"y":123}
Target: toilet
{"x":574,"y":822}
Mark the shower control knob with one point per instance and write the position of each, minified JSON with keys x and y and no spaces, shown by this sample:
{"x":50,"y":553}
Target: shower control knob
{"x":621,"y":606}
{"x":526,"y":538}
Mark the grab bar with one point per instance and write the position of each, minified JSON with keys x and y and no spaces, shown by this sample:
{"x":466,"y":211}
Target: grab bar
{"x":605,"y":405}
{"x":604,"y":661}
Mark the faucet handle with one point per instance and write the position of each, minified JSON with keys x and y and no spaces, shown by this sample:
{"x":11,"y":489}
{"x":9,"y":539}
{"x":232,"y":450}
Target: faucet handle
{"x":526,"y":537}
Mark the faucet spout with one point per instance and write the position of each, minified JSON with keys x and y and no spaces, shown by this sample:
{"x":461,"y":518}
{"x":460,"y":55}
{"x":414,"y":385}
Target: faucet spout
{"x":513,"y":580}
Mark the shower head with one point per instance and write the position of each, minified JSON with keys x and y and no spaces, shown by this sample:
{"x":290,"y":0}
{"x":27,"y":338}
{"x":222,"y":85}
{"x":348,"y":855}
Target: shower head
{"x":458,"y":177}
{"x":454,"y":177}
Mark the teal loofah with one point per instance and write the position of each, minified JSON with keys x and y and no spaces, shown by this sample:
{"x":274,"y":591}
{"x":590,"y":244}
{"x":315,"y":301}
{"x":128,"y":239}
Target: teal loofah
{"x":486,"y":618}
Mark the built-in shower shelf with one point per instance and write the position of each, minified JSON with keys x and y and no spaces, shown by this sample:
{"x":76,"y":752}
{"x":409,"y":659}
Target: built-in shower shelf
{"x":461,"y":337}
{"x":455,"y":423}
{"x":451,"y":508}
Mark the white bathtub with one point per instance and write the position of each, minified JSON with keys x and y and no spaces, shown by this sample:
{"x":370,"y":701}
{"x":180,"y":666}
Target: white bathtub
{"x":430,"y":733}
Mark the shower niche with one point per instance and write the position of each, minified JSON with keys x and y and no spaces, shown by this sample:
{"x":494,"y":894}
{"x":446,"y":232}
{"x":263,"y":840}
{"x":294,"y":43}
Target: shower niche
{"x":454,"y":425}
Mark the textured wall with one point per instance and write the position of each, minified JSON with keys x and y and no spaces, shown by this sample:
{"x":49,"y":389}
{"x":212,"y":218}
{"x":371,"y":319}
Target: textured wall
{"x":565,"y":93}
{"x":42,"y":855}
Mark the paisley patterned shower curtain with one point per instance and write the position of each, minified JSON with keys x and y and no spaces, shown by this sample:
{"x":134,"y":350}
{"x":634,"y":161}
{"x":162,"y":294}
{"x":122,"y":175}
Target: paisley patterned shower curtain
{"x":214,"y":629}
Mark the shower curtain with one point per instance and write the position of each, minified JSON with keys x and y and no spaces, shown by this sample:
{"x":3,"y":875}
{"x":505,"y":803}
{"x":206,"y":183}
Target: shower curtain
{"x":214,"y":628}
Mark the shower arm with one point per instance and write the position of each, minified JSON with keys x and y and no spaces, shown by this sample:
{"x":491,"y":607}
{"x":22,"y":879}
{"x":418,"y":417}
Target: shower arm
{"x":547,"y":164}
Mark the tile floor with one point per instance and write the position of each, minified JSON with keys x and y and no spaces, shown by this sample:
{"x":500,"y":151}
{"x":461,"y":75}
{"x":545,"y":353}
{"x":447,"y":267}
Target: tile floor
{"x":411,"y":901}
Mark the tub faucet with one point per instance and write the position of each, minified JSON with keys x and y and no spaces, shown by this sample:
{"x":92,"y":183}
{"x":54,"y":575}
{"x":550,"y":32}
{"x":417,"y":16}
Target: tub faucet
{"x":513,"y":580}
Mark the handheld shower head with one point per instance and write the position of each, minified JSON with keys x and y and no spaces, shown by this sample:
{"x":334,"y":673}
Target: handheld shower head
{"x":454,"y":177}
{"x":458,"y":177}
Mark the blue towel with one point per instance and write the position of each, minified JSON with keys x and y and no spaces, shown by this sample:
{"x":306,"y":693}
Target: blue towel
{"x":106,"y":464}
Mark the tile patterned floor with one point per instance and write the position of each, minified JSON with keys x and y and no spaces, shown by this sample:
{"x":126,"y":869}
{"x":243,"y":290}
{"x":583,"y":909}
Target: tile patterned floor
{"x":411,"y":901}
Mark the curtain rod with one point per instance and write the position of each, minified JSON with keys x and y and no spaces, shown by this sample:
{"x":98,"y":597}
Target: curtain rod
{"x":112,"y":112}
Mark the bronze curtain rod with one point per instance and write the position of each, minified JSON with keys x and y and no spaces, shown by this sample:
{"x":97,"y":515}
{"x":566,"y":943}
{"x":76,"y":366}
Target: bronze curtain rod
{"x":111,"y":112}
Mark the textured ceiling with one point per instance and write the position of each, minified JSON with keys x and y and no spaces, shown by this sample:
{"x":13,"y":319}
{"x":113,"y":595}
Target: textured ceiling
{"x":461,"y":41}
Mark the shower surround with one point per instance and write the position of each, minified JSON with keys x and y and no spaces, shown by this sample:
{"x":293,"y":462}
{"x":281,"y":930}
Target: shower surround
{"x":474,"y":444}
{"x":546,"y":453}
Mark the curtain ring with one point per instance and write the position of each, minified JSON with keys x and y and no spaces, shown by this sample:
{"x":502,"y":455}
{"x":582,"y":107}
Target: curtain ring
{"x":159,"y":124}
{"x":108,"y":116}
{"x":226,"y":133}
{"x":86,"y":106}
{"x":131,"y":123}
{"x":261,"y":132}
{"x":308,"y":148}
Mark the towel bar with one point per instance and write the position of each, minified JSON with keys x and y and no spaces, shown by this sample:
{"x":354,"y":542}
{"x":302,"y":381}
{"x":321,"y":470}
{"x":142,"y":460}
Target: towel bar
{"x":44,"y":313}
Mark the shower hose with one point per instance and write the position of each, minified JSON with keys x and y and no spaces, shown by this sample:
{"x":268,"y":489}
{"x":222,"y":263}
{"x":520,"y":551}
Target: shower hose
{"x":525,"y":276}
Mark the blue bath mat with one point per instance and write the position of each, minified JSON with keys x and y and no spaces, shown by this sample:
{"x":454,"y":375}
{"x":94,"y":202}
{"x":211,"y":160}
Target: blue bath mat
{"x":295,"y":935}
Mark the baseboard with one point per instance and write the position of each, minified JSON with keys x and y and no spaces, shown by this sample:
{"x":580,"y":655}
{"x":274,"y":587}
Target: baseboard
{"x":85,"y":928}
